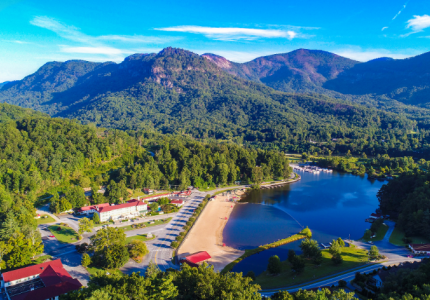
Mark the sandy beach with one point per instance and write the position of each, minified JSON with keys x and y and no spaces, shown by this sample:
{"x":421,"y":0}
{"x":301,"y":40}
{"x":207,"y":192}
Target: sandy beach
{"x":206,"y":235}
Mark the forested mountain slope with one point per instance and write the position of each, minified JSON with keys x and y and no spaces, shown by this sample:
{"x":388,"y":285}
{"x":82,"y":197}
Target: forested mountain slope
{"x":314,"y":71}
{"x":177,"y":91}
{"x":11,"y":112}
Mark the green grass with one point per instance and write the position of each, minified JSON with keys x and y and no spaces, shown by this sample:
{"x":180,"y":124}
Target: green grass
{"x":41,"y":259}
{"x":93,"y":270}
{"x":139,"y":237}
{"x":352,"y":258}
{"x":65,"y":235}
{"x":43,"y":220}
{"x":398,"y":234}
{"x":156,"y":222}
{"x":380,"y":234}
{"x":250,"y":252}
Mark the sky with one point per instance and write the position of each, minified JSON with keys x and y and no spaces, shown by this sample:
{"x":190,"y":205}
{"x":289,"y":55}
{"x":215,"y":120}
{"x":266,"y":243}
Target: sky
{"x":33,"y":32}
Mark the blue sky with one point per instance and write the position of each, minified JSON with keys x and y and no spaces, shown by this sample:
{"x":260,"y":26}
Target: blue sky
{"x":34,"y":32}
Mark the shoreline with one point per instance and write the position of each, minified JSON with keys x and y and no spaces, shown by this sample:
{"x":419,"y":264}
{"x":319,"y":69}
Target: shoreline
{"x":207,"y":234}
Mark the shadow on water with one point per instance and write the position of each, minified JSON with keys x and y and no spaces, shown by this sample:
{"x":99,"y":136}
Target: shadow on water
{"x":331,"y":205}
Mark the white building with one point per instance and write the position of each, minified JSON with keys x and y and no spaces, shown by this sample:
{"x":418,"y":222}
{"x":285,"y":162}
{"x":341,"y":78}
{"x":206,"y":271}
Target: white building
{"x":132,"y":208}
{"x":86,"y":210}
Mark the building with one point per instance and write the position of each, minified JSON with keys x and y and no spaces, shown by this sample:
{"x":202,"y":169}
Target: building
{"x":420,"y":248}
{"x":376,"y":216}
{"x":156,"y":197}
{"x":148,"y":191}
{"x":132,"y":208}
{"x":178,"y":203}
{"x":195,"y":259}
{"x":44,"y":281}
{"x":86,"y":210}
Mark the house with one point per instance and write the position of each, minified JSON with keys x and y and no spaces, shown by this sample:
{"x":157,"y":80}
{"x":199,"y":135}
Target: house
{"x":132,"y":208}
{"x":420,"y":248}
{"x":377,"y":280}
{"x":195,"y":259}
{"x":155,"y":198}
{"x":86,"y":210}
{"x":376,"y":216}
{"x":44,"y":281}
{"x":178,"y":203}
{"x":148,"y":191}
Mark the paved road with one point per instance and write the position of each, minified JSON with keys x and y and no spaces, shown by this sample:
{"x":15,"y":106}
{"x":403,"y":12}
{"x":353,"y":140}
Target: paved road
{"x":160,"y":251}
{"x":396,"y":255}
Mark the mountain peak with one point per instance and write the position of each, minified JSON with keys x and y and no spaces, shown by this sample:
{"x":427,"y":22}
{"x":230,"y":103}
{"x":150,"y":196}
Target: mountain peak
{"x":220,"y":61}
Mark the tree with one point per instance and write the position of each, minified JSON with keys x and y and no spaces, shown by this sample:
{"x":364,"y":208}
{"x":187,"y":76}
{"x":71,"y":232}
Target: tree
{"x":85,"y":225}
{"x":291,"y":255}
{"x":373,"y":252}
{"x":298,"y":264}
{"x":282,"y":295}
{"x":5,"y":248}
{"x":86,"y":260}
{"x":116,"y":256}
{"x":137,"y":249}
{"x":106,"y":237}
{"x":341,"y":242}
{"x":306,"y":232}
{"x":310,"y":248}
{"x":274,"y":266}
{"x":336,"y":251}
{"x":84,"y":182}
{"x":21,"y":252}
{"x":154,"y":207}
{"x":257,"y":175}
{"x":251,"y":275}
{"x":96,"y":218}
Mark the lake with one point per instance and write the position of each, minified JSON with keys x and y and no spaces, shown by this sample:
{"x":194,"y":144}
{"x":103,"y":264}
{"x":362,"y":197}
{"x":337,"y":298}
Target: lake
{"x":332,"y":205}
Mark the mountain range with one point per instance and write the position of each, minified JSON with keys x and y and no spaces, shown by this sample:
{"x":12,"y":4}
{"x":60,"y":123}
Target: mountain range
{"x":177,"y":91}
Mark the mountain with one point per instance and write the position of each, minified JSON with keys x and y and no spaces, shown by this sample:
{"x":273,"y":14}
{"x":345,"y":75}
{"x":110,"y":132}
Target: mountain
{"x":11,"y":112}
{"x":383,"y":79}
{"x":177,"y":91}
{"x":297,"y":71}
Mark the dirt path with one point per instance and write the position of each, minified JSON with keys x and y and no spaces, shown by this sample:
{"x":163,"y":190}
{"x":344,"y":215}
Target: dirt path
{"x":206,"y":235}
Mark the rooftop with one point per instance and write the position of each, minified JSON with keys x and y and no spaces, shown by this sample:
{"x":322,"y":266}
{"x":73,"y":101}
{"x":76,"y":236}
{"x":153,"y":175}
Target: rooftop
{"x":130,"y":203}
{"x":85,"y":208}
{"x":420,"y":247}
{"x":197,"y":257}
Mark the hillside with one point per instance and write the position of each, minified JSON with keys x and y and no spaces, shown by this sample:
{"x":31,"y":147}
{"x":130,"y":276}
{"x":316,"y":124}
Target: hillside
{"x":11,"y":112}
{"x":382,"y":82}
{"x":177,"y":91}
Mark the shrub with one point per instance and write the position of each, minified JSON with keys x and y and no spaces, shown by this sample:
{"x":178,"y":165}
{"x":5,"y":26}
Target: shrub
{"x":179,"y":238}
{"x":174,"y":244}
{"x":342,"y":283}
{"x":274,"y":266}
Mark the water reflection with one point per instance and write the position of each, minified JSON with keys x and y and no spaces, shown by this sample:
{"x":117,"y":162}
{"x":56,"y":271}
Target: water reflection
{"x":332,"y":205}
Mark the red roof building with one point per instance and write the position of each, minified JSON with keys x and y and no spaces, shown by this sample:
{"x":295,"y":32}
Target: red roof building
{"x":43,"y":281}
{"x":420,"y":248}
{"x":92,"y":208}
{"x":195,"y":259}
{"x":376,"y":216}
{"x":178,"y":203}
{"x":131,"y":209}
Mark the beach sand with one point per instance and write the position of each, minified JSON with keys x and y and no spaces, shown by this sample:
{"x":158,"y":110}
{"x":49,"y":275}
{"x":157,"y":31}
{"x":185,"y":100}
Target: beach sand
{"x":206,"y":234}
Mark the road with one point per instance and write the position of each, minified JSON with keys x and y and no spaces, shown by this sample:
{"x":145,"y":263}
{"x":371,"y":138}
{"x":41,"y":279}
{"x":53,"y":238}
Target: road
{"x":395,"y":255}
{"x":160,"y":251}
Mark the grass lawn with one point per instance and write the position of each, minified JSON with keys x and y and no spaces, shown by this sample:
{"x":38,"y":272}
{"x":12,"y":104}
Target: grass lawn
{"x":380,"y":234}
{"x":398,"y":234}
{"x":140,"y":237}
{"x":45,"y":219}
{"x":65,"y":235}
{"x":93,"y":270}
{"x":41,"y":259}
{"x":352,"y":257}
{"x":156,"y":222}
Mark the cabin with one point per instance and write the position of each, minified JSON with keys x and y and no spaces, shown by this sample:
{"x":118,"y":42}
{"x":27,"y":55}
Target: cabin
{"x":420,"y":248}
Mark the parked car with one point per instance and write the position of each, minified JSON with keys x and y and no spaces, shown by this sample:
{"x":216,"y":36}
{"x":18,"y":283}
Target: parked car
{"x":51,"y":236}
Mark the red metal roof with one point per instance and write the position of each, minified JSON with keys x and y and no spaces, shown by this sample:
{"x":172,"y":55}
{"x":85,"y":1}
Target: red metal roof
{"x":198,"y":257}
{"x":49,"y":292}
{"x":130,"y":203}
{"x":32,"y":270}
{"x":85,"y":208}
{"x":376,"y":215}
{"x":420,"y":247}
{"x":177,"y":201}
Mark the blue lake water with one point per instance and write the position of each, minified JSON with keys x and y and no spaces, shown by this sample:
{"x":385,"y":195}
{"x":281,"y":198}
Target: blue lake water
{"x":332,"y":205}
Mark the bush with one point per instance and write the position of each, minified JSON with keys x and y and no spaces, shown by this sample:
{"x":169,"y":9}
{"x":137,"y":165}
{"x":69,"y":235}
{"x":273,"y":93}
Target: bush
{"x":192,"y":219}
{"x":274,"y":266}
{"x":174,"y":244}
{"x":251,"y":275}
{"x":182,"y":233}
{"x":342,"y":283}
{"x":337,"y":259}
{"x":179,"y":238}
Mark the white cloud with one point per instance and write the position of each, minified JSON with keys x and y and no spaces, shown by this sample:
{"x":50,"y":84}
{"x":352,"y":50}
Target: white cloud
{"x":419,"y":23}
{"x":383,"y":28}
{"x":137,"y":39}
{"x":366,"y":55}
{"x":233,"y":33}
{"x":236,"y":56}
